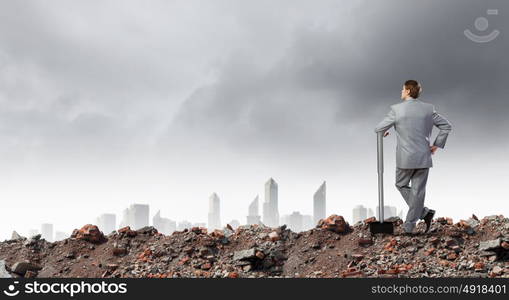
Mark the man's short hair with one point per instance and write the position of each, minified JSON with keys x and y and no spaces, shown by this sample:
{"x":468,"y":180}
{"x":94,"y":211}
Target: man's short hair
{"x":414,"y":87}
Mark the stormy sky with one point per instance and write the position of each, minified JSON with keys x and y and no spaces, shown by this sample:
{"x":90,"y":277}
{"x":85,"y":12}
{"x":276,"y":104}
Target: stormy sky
{"x":108,"y":103}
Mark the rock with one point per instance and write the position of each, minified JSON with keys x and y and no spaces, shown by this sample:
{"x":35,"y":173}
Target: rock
{"x":15,"y":236}
{"x":89,"y":233}
{"x":3,"y":270}
{"x":370,"y":220}
{"x":357,"y":257}
{"x":248,"y":254}
{"x":473,"y":222}
{"x":22,"y":267}
{"x":452,"y":256}
{"x":489,"y":245}
{"x":395,"y":220}
{"x":119,"y":251}
{"x":260,"y":254}
{"x":219,"y":234}
{"x":228,"y":232}
{"x":112,"y":266}
{"x":36,"y":237}
{"x":273,"y":236}
{"x":148,"y":230}
{"x":429,"y":251}
{"x":30,"y":274}
{"x":334,"y":223}
{"x":497,"y":270}
{"x":479,"y":267}
{"x":505,"y":245}
{"x":365,"y":242}
{"x":127,"y":231}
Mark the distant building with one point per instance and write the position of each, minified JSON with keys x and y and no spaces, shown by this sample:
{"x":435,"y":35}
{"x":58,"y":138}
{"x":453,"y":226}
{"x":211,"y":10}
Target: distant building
{"x":319,"y":201}
{"x":124,"y":221}
{"x":370,"y":213}
{"x":389,"y":211}
{"x":307,"y":222}
{"x":199,"y":224}
{"x":60,"y":235}
{"x":47,"y":232}
{"x":295,"y":221}
{"x":360,"y":213}
{"x":214,"y":217}
{"x":253,"y":216}
{"x":184,"y":225}
{"x":270,"y":206}
{"x":106,"y":223}
{"x":163,"y":225}
{"x":136,"y":216}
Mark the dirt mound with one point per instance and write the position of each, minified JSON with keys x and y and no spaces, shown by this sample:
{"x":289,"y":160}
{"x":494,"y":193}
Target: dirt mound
{"x":468,"y":248}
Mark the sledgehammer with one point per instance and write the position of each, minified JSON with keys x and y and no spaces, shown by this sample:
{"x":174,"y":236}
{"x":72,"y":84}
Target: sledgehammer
{"x":381,"y":226}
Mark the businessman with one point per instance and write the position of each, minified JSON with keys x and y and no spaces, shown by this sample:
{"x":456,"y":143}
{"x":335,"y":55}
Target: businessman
{"x":413,"y":121}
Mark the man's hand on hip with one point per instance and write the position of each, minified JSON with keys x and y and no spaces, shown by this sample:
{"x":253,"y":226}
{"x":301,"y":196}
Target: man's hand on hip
{"x":433,"y":149}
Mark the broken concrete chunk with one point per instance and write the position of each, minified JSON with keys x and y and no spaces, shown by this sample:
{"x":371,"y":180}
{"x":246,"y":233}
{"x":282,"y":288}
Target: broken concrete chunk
{"x":3,"y":270}
{"x":490,"y":245}
{"x":245,"y":254}
{"x":90,"y":233}
{"x":22,"y":267}
{"x":334,"y":223}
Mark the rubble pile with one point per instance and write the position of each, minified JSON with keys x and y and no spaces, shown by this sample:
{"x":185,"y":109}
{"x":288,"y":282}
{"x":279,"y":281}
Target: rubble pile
{"x":468,"y":248}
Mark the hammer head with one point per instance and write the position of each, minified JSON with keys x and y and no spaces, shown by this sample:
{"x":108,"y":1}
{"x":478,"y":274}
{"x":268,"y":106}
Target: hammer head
{"x":381,"y":227}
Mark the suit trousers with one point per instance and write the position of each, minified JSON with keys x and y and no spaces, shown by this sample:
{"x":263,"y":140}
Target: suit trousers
{"x":411,"y":183}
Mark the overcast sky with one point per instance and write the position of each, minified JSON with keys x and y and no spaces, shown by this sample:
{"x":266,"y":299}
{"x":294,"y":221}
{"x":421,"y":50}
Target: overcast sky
{"x":108,"y":103}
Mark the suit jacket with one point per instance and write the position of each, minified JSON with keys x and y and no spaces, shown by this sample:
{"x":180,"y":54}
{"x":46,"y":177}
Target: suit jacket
{"x":413,"y":121}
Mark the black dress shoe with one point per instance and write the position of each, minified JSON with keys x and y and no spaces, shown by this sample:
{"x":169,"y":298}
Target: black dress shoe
{"x":428,"y":218}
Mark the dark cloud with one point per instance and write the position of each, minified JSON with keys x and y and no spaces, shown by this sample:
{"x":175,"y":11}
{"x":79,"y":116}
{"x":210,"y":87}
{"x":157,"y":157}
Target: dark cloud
{"x":334,"y":83}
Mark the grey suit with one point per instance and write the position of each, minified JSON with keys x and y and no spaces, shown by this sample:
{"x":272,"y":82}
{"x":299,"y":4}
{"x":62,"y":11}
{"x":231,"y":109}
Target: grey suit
{"x":413,"y":121}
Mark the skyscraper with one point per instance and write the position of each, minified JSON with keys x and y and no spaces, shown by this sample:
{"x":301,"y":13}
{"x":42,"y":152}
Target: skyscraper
{"x":214,"y":217}
{"x":270,"y":206}
{"x":106,"y":223}
{"x":295,"y":221}
{"x":389,"y":211}
{"x":136,"y":216}
{"x":360,"y":213}
{"x":124,"y":221}
{"x":319,"y":199}
{"x":253,"y":216}
{"x":163,"y":225}
{"x":47,"y":232}
{"x":307,"y":222}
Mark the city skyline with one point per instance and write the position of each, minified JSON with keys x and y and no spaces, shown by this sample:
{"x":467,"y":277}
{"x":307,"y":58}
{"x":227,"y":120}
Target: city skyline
{"x":168,"y":102}
{"x":136,"y":216}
